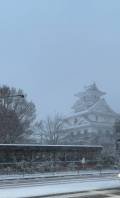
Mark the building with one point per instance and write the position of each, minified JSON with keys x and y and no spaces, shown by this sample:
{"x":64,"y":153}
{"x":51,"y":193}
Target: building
{"x":91,"y":114}
{"x":42,"y":158}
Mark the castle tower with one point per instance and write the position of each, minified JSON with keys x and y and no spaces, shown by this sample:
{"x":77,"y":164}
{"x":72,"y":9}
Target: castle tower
{"x":91,"y":114}
{"x":87,"y":98}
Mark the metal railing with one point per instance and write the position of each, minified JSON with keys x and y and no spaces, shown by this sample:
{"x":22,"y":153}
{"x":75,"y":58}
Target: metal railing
{"x":24,"y":167}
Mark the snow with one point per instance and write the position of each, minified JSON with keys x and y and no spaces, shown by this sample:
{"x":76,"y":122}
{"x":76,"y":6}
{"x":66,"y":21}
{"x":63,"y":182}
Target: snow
{"x":46,"y":145}
{"x":56,"y":174}
{"x":53,"y":188}
{"x":57,"y":188}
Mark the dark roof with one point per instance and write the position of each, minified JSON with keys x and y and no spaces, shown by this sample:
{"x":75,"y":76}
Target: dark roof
{"x":48,"y":147}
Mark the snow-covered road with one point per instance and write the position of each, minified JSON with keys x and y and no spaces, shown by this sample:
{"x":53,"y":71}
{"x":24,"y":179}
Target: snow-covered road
{"x":51,"y":181}
{"x":29,"y":189}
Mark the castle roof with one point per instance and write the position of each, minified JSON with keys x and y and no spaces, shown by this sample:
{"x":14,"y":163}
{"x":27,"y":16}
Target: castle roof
{"x":87,"y":98}
{"x":101,"y":106}
{"x":91,"y":89}
{"x":89,"y":101}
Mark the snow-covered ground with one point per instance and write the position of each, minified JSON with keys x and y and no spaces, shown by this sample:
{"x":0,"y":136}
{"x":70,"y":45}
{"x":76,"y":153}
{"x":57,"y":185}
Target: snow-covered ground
{"x":55,"y":174}
{"x":29,"y":191}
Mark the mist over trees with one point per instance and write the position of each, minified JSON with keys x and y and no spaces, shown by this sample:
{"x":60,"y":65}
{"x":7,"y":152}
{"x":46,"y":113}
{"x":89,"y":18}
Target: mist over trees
{"x":17,"y":115}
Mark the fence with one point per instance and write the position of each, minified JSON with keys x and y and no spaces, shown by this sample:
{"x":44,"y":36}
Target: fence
{"x":50,"y":166}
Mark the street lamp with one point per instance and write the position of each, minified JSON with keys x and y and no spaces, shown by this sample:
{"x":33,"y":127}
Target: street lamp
{"x":4,"y":97}
{"x":13,"y":96}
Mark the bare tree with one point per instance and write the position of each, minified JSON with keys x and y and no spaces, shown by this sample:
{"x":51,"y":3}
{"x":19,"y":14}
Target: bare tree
{"x":17,"y":115}
{"x":49,"y":130}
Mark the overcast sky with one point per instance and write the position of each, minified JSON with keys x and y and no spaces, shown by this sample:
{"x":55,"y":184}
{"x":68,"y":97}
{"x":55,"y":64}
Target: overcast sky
{"x":53,"y":48}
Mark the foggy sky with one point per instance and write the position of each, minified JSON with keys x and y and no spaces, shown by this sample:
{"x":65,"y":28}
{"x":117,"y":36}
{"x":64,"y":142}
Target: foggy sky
{"x":53,"y":48}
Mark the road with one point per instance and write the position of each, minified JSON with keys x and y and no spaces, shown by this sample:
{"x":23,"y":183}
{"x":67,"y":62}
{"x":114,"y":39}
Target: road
{"x":17,"y":183}
{"x":59,"y":187}
{"x":107,"y":193}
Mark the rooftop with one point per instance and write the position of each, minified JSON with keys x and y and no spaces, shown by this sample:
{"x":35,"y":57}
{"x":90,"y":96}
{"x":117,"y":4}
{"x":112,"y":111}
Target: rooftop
{"x":46,"y":147}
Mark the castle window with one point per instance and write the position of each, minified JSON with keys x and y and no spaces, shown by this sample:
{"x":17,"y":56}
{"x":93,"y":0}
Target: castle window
{"x":85,"y":131}
{"x":84,"y":98}
{"x":75,"y":120}
{"x":96,"y":117}
{"x":72,"y":134}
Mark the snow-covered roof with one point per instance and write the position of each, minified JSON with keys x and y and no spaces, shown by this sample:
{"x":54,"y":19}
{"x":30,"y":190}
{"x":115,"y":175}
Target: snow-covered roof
{"x":73,"y":114}
{"x":87,"y":98}
{"x":100,"y":106}
{"x":91,"y":89}
{"x":39,"y":146}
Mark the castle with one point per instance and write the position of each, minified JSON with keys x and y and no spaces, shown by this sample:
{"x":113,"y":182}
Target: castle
{"x":91,"y":115}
